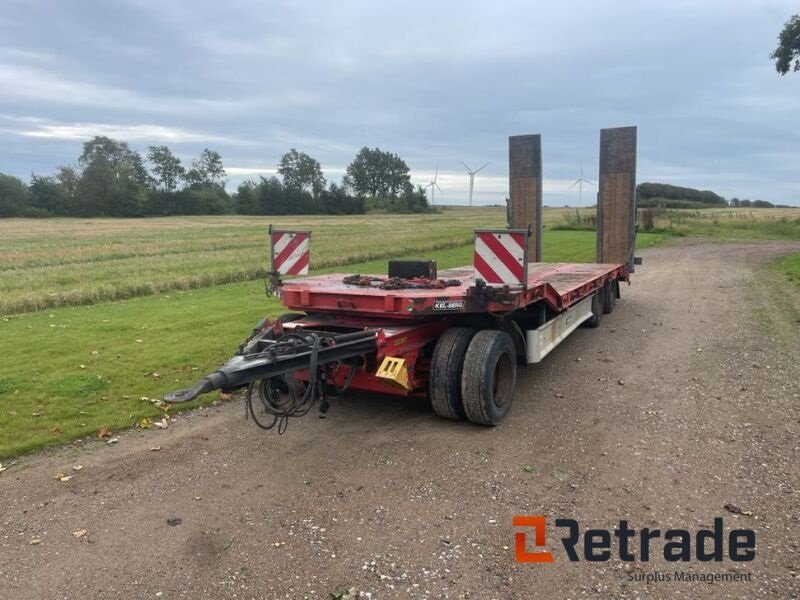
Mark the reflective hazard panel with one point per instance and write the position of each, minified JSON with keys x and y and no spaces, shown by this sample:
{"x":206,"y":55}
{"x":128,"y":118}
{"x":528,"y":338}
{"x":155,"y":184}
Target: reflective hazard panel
{"x":501,"y":257}
{"x":289,"y":252}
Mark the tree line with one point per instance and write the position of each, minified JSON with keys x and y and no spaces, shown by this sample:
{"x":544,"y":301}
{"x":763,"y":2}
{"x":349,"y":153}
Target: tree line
{"x":112,"y":180}
{"x":650,"y":195}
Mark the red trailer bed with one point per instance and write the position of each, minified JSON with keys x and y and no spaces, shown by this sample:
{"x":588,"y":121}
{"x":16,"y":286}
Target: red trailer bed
{"x":559,"y":285}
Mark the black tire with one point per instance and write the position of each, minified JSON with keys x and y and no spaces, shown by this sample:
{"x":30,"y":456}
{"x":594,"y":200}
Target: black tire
{"x":489,"y":377}
{"x":609,"y":296}
{"x":597,"y":310}
{"x":444,"y":381}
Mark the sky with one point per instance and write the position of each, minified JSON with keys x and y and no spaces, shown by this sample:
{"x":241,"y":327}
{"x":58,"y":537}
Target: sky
{"x":436,"y":82}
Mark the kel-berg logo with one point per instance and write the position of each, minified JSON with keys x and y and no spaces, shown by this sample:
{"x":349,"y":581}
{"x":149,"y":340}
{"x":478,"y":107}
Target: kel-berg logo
{"x":596,"y":544}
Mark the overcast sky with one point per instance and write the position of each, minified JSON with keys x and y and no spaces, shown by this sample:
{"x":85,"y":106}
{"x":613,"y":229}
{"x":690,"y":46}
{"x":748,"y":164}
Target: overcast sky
{"x":436,"y":82}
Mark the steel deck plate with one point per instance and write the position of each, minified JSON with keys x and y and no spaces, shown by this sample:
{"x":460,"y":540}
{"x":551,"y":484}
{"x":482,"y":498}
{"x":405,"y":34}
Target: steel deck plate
{"x":560,"y":284}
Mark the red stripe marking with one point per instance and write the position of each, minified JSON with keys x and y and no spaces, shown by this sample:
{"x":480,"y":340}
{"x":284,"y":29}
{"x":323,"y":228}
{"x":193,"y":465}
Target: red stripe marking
{"x":288,"y":249}
{"x":485,"y":271}
{"x":299,"y":265}
{"x":511,"y":263}
{"x":519,"y":238}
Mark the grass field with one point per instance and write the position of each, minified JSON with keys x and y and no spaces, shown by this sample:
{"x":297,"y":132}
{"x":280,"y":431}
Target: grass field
{"x":790,"y":267}
{"x":733,"y":224}
{"x":66,"y":262}
{"x":186,"y":291}
{"x":57,"y":262}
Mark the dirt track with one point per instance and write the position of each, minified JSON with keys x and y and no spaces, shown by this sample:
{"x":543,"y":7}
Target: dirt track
{"x":678,"y":405}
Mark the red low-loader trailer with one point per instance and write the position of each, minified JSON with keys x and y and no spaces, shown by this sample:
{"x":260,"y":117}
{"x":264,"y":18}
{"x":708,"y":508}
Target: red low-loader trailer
{"x":455,"y":336}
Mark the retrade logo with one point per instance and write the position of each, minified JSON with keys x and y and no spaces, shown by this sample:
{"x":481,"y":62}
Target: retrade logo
{"x":521,"y":553}
{"x":629,"y":544}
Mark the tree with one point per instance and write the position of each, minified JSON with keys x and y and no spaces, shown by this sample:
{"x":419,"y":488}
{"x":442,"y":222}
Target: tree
{"x":47,"y":195}
{"x":788,"y":49}
{"x":336,"y":201}
{"x":414,"y":199}
{"x":271,"y":197}
{"x":167,"y":168}
{"x":301,"y":172}
{"x":762,"y":204}
{"x":376,"y":173}
{"x":14,"y":198}
{"x":114,"y":180}
{"x":645,"y":191}
{"x":209,"y":199}
{"x":207,"y":169}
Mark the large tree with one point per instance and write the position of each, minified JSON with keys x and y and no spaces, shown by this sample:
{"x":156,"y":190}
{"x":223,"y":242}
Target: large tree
{"x":167,"y":168}
{"x":207,"y":170}
{"x":787,"y":54}
{"x":114,"y":180}
{"x":376,"y":173}
{"x":14,"y":197}
{"x":48,"y":196}
{"x":301,"y":172}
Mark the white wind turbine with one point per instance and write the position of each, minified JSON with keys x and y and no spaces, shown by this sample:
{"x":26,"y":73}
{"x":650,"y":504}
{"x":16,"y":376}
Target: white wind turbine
{"x":579,"y":182}
{"x":472,"y":177}
{"x":433,"y":185}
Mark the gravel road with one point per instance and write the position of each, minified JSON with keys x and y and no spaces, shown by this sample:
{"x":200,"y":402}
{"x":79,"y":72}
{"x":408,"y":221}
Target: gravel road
{"x":685,"y":400}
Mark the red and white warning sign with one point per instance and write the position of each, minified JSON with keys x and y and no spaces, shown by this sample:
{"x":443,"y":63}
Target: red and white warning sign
{"x":290,"y":252}
{"x":500,"y":256}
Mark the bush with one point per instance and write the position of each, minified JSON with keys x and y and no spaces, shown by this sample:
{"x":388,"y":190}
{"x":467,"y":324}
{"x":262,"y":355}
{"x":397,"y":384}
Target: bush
{"x":647,"y":219}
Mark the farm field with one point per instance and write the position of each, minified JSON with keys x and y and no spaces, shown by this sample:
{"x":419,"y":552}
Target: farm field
{"x":57,"y":262}
{"x":66,"y":262}
{"x":733,"y":224}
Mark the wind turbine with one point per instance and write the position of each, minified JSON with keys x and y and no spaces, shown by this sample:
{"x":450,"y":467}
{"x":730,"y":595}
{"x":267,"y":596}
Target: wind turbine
{"x":433,"y":185}
{"x":579,"y":182}
{"x":472,"y":177}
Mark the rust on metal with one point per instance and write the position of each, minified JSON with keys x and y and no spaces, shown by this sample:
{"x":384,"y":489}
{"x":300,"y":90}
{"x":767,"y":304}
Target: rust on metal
{"x":616,"y":201}
{"x":525,"y":183}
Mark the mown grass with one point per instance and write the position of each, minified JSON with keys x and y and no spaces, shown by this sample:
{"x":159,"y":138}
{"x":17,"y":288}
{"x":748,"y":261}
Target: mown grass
{"x":68,"y":372}
{"x":62,"y":262}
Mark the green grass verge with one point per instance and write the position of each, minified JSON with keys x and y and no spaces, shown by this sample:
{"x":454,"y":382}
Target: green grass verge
{"x":70,"y":371}
{"x":789,"y":266}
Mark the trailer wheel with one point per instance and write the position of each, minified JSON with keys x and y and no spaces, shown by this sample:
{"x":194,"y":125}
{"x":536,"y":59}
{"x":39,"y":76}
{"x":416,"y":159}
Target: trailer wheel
{"x":609,"y":296}
{"x":489,"y":377}
{"x":597,"y":310}
{"x":444,"y":381}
